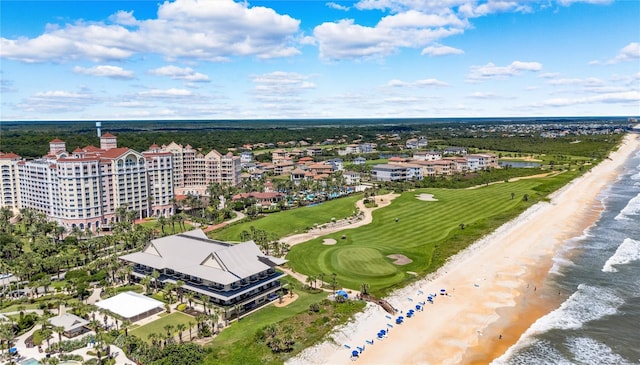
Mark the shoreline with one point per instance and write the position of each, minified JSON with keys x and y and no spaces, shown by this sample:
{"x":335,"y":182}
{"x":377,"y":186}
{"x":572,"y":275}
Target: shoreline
{"x":498,"y":279}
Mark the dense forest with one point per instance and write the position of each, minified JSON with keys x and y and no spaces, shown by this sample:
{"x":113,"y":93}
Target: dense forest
{"x":31,"y":139}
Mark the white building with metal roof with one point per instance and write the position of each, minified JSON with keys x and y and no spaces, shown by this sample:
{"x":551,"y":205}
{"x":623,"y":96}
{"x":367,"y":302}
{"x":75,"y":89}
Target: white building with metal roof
{"x":229,"y":274}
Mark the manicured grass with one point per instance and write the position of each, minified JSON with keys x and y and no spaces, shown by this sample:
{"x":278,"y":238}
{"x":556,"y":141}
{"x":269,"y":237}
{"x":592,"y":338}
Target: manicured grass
{"x":237,"y":344}
{"x":426,"y":232}
{"x":269,"y":314}
{"x":14,"y":308}
{"x":157,"y":326}
{"x":293,"y":221}
{"x":168,"y":228}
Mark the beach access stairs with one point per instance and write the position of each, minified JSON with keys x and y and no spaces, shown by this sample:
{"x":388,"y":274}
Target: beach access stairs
{"x":381,"y":302}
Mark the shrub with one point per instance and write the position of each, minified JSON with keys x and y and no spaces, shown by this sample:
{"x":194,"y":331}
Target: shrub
{"x":181,"y":307}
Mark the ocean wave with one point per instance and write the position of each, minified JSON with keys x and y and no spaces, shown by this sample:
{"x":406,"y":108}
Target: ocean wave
{"x":636,"y":176}
{"x":539,"y":352}
{"x":633,"y":207}
{"x":628,"y":251}
{"x":587,"y":304}
{"x":589,"y":351}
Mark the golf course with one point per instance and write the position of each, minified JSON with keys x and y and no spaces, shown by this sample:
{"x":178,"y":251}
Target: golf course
{"x":412,"y":237}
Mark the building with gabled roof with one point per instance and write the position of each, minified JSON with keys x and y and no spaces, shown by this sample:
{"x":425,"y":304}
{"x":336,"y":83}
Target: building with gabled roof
{"x":233,"y":276}
{"x":72,"y":324}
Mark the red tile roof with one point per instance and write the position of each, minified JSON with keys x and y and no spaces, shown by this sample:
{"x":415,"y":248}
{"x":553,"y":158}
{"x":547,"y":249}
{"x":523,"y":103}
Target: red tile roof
{"x":115,"y":152}
{"x":8,"y":155}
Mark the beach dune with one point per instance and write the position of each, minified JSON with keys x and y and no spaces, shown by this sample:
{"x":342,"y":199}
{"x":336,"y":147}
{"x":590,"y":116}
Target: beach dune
{"x":494,"y":289}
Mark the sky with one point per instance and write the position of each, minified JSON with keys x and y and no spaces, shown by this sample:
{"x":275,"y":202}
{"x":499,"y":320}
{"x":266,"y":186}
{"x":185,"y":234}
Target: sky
{"x":224,"y":59}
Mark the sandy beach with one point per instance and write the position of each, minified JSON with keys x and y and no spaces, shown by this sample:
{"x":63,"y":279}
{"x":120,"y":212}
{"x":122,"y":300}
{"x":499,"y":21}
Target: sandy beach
{"x":495,"y":289}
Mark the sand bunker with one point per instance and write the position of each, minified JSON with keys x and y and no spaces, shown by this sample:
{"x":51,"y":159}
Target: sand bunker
{"x":400,"y":259}
{"x":426,"y":198}
{"x":329,"y":241}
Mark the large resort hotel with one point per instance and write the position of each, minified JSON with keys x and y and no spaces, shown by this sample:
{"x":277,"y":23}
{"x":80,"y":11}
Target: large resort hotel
{"x":238,"y":277}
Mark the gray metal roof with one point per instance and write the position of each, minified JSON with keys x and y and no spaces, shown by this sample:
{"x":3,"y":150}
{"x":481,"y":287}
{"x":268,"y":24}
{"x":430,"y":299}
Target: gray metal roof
{"x":192,"y":253}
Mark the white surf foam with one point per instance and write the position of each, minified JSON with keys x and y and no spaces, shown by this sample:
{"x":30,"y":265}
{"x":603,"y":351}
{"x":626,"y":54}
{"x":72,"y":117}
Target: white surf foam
{"x":591,"y":352}
{"x":587,"y":304}
{"x":636,"y":176}
{"x":540,"y":352}
{"x":628,"y":251}
{"x":632,"y":208}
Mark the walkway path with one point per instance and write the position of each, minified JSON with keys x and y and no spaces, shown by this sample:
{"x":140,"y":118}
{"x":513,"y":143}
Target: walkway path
{"x":238,"y":217}
{"x":347,"y":223}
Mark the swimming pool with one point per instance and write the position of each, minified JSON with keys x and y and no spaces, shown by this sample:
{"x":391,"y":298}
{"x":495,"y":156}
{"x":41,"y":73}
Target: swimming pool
{"x":30,"y":361}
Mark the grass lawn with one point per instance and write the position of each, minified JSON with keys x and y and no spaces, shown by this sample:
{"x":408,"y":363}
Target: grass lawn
{"x":14,"y":308}
{"x":270,"y":314}
{"x":426,"y":232}
{"x":157,"y":326}
{"x":168,"y":228}
{"x":293,"y":221}
{"x":237,"y":341}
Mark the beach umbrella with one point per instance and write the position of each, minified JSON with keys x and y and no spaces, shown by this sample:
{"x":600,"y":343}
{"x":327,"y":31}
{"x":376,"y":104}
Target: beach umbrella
{"x":354,"y":353}
{"x":418,"y":306}
{"x":442,"y":291}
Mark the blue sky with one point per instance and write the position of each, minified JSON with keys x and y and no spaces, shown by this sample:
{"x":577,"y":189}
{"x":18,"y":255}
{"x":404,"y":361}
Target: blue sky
{"x":220,"y":59}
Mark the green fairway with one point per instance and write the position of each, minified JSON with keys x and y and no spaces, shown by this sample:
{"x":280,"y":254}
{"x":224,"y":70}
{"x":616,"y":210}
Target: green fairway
{"x":157,"y":326}
{"x":427,"y":232}
{"x":293,"y":221}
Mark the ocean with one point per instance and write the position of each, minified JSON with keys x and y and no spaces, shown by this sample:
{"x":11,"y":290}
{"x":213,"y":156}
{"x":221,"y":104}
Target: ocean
{"x":599,"y":275}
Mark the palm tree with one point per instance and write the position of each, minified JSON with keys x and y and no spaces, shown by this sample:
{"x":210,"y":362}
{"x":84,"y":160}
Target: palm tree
{"x":155,"y":275}
{"x":153,"y":337}
{"x":190,"y":324}
{"x":334,"y":282}
{"x":59,"y":330}
{"x":321,"y":278}
{"x":181,"y":327}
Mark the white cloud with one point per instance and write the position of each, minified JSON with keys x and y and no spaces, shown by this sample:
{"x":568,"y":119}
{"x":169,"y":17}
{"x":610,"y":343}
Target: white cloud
{"x":483,"y":95}
{"x":629,"y":53}
{"x":179,"y":73}
{"x":165,"y":93}
{"x":472,"y":10}
{"x":57,"y":101}
{"x":569,"y":2}
{"x":207,"y":30}
{"x":491,"y":71}
{"x":590,"y":81}
{"x":440,"y":50}
{"x":549,"y":75}
{"x":607,"y":98}
{"x":124,"y":18}
{"x":113,"y":72}
{"x":346,"y":40}
{"x":417,"y":83}
{"x":280,"y":86}
{"x":337,"y":6}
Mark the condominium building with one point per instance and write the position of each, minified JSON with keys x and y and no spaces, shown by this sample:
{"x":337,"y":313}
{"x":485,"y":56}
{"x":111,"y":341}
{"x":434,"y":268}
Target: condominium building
{"x":9,"y":196}
{"x":84,"y":188}
{"x":193,"y":171}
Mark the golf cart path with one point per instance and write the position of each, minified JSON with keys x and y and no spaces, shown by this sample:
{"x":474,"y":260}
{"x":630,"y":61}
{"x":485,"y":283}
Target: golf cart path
{"x":381,"y":202}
